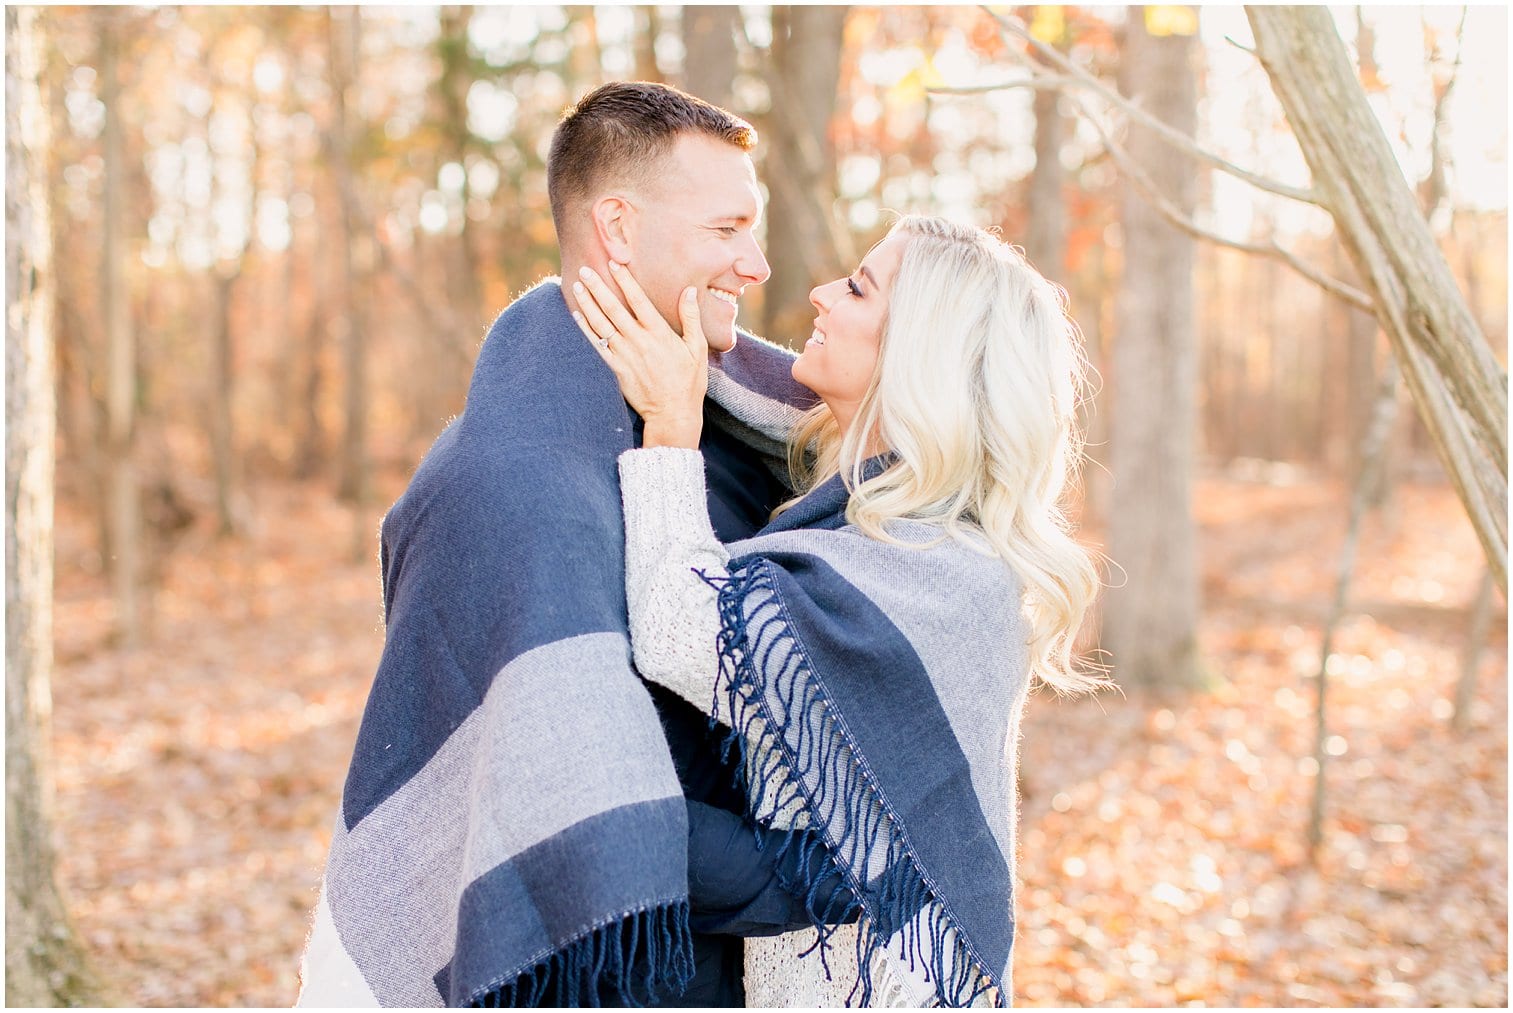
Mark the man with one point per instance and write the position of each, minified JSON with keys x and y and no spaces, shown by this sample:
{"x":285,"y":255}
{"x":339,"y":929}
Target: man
{"x":659,"y":181}
{"x":519,"y":819}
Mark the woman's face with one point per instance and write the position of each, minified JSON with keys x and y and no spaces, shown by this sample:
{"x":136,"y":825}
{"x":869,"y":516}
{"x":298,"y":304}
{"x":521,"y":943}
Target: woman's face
{"x":841,"y":355}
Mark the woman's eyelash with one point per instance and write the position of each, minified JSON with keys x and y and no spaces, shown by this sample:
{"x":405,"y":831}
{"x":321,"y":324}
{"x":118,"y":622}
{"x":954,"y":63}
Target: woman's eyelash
{"x":856,"y":289}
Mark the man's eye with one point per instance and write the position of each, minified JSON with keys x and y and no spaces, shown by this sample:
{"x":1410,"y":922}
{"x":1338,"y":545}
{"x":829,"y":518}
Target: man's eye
{"x":728,"y":230}
{"x":856,"y":289}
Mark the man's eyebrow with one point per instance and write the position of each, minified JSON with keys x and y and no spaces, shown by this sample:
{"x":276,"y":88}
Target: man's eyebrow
{"x":738,"y":219}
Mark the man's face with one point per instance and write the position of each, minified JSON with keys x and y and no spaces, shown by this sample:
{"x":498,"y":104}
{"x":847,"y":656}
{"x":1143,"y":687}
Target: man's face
{"x":694,"y":225}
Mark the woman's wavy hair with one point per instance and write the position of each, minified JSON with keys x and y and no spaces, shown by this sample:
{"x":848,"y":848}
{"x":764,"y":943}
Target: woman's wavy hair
{"x":976,"y":389}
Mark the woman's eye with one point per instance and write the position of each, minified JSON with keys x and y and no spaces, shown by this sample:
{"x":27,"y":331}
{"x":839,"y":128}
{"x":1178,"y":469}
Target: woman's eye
{"x":856,"y":289}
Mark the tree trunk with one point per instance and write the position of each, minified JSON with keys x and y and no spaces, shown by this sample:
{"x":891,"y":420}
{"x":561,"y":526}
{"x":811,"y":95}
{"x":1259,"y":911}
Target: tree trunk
{"x":710,"y":55}
{"x":801,"y":232}
{"x":1459,"y":387}
{"x":1150,"y":623}
{"x":1045,"y":232}
{"x":457,"y":79}
{"x":226,"y":279}
{"x":648,"y":27}
{"x":343,"y":53}
{"x":1382,"y":412}
{"x":121,"y":368}
{"x":42,"y":959}
{"x":222,"y":390}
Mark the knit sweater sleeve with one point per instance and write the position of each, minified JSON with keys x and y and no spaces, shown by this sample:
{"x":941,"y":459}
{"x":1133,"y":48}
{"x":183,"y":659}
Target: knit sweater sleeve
{"x":674,"y":620}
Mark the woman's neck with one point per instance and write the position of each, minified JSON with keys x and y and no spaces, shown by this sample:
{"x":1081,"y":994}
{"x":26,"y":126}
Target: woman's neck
{"x":844,"y":414}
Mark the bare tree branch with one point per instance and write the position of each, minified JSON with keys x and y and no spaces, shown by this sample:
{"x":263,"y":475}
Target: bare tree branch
{"x":1239,"y":45}
{"x":1015,"y":27}
{"x":1039,"y":82}
{"x":1179,"y":219}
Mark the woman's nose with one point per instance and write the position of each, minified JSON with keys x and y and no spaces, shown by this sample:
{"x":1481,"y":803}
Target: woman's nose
{"x":819,"y":297}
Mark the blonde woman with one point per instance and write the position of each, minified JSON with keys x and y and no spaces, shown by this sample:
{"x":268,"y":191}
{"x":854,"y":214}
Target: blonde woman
{"x":872,"y":647}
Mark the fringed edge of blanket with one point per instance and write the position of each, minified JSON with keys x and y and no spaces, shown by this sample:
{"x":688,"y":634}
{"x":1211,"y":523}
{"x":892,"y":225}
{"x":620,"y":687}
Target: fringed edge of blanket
{"x":755,"y":635}
{"x":641,"y":956}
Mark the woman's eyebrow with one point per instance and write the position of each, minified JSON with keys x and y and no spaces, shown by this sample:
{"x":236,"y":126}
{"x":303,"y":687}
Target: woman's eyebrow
{"x":871,"y":279}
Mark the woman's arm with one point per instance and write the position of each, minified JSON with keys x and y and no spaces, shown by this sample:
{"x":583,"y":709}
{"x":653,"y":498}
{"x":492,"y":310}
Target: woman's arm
{"x":673,"y":617}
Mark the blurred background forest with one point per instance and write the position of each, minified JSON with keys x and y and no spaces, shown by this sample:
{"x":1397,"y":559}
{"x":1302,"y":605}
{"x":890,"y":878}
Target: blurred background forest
{"x":278,"y":234}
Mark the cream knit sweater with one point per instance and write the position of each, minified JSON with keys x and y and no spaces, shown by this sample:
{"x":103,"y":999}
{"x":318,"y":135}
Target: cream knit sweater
{"x":673,"y":627}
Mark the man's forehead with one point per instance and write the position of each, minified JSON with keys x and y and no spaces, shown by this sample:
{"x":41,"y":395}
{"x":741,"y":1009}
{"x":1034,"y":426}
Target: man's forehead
{"x":708,"y":178}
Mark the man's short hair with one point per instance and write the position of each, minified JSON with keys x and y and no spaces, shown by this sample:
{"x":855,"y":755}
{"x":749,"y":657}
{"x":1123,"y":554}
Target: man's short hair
{"x":618,"y":132}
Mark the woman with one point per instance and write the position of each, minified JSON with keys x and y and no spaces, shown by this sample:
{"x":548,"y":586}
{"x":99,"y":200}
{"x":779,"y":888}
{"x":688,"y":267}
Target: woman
{"x":876,"y":641}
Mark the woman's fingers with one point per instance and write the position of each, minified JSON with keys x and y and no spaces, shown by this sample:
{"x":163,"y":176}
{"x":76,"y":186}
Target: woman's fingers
{"x":589,"y":308}
{"x":635,"y":297}
{"x":594,"y":338}
{"x":609,"y":303}
{"x":693,"y":329}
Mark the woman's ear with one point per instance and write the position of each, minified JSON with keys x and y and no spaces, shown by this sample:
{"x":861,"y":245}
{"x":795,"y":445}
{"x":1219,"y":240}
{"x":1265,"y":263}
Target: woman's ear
{"x":615,"y":226}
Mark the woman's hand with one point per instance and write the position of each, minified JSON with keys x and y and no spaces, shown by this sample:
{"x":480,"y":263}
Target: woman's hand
{"x":663,"y":376}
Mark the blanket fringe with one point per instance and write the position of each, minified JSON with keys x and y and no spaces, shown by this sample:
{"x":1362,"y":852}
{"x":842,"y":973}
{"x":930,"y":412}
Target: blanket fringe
{"x":812,"y":758}
{"x":636,"y":958}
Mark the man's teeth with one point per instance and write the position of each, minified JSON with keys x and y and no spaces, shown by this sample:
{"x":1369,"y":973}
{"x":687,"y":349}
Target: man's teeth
{"x":817,"y":338}
{"x":720,"y":293}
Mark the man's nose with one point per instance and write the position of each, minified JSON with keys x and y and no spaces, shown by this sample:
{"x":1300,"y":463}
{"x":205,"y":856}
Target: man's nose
{"x":751,"y":265}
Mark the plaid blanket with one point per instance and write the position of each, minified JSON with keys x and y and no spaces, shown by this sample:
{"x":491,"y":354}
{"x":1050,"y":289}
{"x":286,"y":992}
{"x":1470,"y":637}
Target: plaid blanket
{"x":512,"y":831}
{"x":879,"y":687}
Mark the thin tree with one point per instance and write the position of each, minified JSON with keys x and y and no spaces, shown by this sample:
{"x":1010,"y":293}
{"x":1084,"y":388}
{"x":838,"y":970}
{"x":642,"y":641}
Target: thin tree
{"x":226,"y":280}
{"x":121,"y":366}
{"x":1045,"y":204}
{"x":1150,"y":622}
{"x":709,"y":60}
{"x":1471,"y":652}
{"x":804,"y":243}
{"x":343,"y":32}
{"x":43,"y":962}
{"x":452,"y":87}
{"x":1372,"y":450}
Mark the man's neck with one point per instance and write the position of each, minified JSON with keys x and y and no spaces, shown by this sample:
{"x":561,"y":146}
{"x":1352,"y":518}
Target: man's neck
{"x":571,"y":263}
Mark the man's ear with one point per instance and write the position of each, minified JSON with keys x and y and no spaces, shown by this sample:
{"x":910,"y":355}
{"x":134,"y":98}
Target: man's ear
{"x":615,"y":226}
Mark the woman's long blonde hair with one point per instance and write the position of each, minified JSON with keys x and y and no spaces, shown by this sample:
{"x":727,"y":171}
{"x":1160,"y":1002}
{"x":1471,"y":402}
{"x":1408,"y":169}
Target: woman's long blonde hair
{"x":976,"y":390}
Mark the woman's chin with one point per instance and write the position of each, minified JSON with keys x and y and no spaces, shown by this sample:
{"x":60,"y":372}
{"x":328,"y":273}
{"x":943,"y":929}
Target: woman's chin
{"x":800,"y":372}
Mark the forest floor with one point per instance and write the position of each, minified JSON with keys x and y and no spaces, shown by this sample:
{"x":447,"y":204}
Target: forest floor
{"x":1162,"y":836}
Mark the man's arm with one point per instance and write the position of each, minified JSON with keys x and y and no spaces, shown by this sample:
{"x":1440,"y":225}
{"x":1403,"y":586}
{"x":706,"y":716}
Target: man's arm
{"x":738,"y":889}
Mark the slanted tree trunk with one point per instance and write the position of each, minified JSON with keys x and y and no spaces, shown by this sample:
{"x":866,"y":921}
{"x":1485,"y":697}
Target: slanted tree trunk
{"x":42,"y":958}
{"x":1460,"y":389}
{"x":1150,"y":622}
{"x":121,"y":367}
{"x":801,"y":233}
{"x":710,"y":54}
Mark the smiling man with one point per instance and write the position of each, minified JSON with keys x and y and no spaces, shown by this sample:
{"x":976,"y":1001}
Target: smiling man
{"x":524,"y":821}
{"x":663,"y":182}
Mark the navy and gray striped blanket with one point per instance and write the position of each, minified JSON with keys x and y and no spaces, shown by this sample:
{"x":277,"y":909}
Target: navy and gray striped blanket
{"x":877,"y":688}
{"x":511,"y":830}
